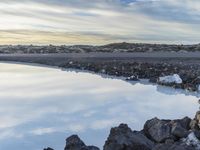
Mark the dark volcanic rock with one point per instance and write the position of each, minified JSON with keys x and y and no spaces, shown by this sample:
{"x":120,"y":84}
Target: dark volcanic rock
{"x":176,"y":146}
{"x":75,"y":143}
{"x":185,"y":122}
{"x":194,"y":124}
{"x":178,"y":131}
{"x":197,"y":116}
{"x":197,"y":134}
{"x":158,"y":130}
{"x":157,"y":134}
{"x":162,"y":130}
{"x":48,"y":148}
{"x":123,"y":138}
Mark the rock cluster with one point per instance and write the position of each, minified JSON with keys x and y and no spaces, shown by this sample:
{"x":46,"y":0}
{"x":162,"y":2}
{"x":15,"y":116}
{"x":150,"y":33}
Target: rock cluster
{"x":187,"y":75}
{"x":122,"y":138}
{"x":157,"y":134}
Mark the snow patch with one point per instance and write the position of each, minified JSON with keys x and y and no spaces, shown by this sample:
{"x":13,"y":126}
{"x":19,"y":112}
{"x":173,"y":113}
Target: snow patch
{"x":171,"y":79}
{"x":192,"y":140}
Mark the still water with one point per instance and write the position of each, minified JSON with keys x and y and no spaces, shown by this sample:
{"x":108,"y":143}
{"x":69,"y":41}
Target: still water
{"x":41,"y":106}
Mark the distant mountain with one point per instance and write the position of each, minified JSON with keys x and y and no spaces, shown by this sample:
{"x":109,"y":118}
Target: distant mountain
{"x":114,"y":47}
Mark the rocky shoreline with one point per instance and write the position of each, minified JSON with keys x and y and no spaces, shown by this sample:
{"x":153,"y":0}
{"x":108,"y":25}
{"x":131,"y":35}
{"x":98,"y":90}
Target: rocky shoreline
{"x":157,"y":134}
{"x":188,"y":73}
{"x":132,"y":66}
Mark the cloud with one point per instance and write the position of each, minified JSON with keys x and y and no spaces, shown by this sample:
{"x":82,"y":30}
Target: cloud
{"x":99,"y":21}
{"x":41,"y":131}
{"x":183,"y":11}
{"x":34,"y":114}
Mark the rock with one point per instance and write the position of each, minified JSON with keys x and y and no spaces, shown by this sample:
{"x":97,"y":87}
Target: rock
{"x":169,"y":141}
{"x":89,"y":148}
{"x":176,"y":146}
{"x":162,"y":147}
{"x":179,"y":134}
{"x":48,"y":148}
{"x":185,"y":122}
{"x":132,"y":78}
{"x":123,"y":138}
{"x":153,"y":79}
{"x":197,"y":116}
{"x":197,"y":134}
{"x":150,"y":123}
{"x":193,"y":141}
{"x":158,"y":130}
{"x":178,"y":131}
{"x":75,"y":143}
{"x":194,"y":125}
{"x":161,"y":130}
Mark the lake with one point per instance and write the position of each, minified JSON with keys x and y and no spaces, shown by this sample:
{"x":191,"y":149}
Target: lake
{"x":41,"y":106}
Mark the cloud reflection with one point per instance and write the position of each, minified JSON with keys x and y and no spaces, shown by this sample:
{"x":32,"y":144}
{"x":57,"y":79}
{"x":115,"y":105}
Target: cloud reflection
{"x":38,"y":103}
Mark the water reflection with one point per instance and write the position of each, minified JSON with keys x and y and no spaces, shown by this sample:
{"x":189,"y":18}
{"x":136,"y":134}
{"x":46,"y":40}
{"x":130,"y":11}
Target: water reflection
{"x":41,"y":106}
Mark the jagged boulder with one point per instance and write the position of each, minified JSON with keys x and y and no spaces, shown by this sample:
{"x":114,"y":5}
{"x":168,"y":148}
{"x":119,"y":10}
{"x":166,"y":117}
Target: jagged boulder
{"x":48,"y":148}
{"x":194,"y":125}
{"x":197,"y":117}
{"x":158,"y":130}
{"x":184,"y":122}
{"x":178,"y":131}
{"x":123,"y":138}
{"x":161,"y":130}
{"x":75,"y":143}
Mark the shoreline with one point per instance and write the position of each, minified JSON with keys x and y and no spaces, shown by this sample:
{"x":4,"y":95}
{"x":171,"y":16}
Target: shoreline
{"x":103,"y":75}
{"x":181,"y":134}
{"x":157,"y":134}
{"x":131,"y":66}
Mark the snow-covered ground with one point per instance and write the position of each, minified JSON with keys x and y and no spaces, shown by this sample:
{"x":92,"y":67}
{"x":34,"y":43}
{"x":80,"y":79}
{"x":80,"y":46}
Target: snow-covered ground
{"x":171,"y":79}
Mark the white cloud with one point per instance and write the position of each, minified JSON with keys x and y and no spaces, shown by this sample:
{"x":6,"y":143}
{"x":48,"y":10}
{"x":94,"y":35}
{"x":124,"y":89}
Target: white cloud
{"x":41,"y":131}
{"x":109,"y":20}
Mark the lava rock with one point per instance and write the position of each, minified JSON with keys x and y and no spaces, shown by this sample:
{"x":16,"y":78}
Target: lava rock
{"x":153,"y":79}
{"x":197,"y":116}
{"x":75,"y":143}
{"x":123,"y":138}
{"x":178,"y":131}
{"x":175,"y":146}
{"x":197,"y":134}
{"x":194,"y":125}
{"x":185,"y":122}
{"x":158,"y":130}
{"x":48,"y":148}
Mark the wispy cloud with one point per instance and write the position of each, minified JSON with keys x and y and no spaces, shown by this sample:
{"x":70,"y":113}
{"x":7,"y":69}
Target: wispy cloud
{"x":99,"y":21}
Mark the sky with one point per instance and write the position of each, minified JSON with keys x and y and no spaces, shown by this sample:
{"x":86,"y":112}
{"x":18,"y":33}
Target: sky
{"x":97,"y":22}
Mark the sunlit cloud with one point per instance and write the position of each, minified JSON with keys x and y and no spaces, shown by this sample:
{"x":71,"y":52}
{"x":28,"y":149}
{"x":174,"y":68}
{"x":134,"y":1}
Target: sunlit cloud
{"x":41,"y":131}
{"x":99,"y":21}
